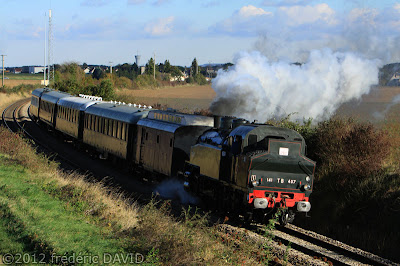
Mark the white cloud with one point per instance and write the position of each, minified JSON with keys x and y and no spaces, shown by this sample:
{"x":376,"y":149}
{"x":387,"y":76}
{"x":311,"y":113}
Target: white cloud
{"x":251,"y":11}
{"x":160,"y":27}
{"x":286,"y":3}
{"x":247,"y":21}
{"x":309,"y":14}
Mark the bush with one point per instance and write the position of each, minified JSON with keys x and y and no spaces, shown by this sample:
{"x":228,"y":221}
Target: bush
{"x":122,"y":82}
{"x":145,"y":81}
{"x":348,"y":152}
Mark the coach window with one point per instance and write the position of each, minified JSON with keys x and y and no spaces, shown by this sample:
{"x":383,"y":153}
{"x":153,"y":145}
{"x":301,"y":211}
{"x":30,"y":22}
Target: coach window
{"x":93,"y":122}
{"x":118,"y":130}
{"x":158,"y":138}
{"x":123,"y":131}
{"x":105,"y":126}
{"x":115,"y":128}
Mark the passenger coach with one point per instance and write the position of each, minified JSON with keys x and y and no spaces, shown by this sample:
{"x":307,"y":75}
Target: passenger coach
{"x":48,"y":106}
{"x":35,"y":100}
{"x":71,"y":115}
{"x":165,"y":139}
{"x":111,"y":128}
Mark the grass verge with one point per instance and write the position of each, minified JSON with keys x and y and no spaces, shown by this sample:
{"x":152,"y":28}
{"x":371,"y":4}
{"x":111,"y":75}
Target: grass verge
{"x":46,"y":211}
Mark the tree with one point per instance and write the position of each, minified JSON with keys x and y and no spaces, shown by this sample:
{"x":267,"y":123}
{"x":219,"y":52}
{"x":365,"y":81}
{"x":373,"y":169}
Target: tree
{"x":194,"y":70}
{"x":150,"y":67}
{"x":176,"y":72}
{"x":167,"y":67}
{"x":98,"y":73}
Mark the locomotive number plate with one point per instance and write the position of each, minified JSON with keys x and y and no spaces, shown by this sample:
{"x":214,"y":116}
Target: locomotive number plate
{"x":283,"y":151}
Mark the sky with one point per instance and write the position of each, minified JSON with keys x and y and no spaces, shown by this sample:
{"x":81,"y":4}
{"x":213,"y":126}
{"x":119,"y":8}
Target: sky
{"x":213,"y":31}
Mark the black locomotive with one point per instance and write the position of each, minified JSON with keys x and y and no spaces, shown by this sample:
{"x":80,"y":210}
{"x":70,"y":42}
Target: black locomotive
{"x":238,"y":166}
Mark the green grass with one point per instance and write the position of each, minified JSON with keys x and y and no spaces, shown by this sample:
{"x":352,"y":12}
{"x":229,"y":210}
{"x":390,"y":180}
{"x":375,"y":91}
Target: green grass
{"x":33,"y":221}
{"x":24,"y":76}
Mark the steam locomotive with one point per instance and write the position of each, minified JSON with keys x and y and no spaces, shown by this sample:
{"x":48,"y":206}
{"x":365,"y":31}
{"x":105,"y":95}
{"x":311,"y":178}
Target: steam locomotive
{"x":237,"y":166}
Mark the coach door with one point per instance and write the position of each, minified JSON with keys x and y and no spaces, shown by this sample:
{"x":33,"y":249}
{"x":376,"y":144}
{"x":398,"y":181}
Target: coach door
{"x":142,"y":145}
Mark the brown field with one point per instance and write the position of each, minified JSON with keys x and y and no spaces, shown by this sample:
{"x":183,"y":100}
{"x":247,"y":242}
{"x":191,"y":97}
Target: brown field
{"x":192,"y":98}
{"x":188,"y":91}
{"x":16,"y":82}
{"x":186,"y":98}
{"x":377,"y":102}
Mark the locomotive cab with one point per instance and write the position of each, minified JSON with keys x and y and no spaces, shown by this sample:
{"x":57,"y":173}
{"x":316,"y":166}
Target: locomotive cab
{"x":262,"y":166}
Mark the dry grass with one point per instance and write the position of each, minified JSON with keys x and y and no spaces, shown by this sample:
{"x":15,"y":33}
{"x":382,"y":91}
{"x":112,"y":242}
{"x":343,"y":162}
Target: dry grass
{"x":16,"y":82}
{"x":109,"y":206}
{"x":7,"y":99}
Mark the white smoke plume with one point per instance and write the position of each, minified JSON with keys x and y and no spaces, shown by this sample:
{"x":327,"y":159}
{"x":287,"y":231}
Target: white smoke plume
{"x":257,"y":88}
{"x":174,"y":189}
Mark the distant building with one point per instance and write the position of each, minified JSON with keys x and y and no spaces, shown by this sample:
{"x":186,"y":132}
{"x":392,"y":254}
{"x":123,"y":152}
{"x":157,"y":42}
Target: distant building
{"x":142,"y":70}
{"x":395,"y":80}
{"x":89,"y":70}
{"x":32,"y":69}
{"x":17,"y":70}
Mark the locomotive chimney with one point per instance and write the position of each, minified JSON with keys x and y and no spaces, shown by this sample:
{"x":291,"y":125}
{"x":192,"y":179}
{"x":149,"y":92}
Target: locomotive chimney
{"x":217,"y":121}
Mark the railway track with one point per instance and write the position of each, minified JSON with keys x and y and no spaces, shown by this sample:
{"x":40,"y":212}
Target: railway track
{"x":313,"y":245}
{"x":325,"y":248}
{"x":14,"y":121}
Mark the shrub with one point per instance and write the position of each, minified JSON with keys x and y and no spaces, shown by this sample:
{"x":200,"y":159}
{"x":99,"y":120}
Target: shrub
{"x":145,"y":81}
{"x":348,"y":152}
{"x":122,"y":82}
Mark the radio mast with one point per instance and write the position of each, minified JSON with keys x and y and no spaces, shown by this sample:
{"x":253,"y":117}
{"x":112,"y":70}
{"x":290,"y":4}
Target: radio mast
{"x":50,"y":50}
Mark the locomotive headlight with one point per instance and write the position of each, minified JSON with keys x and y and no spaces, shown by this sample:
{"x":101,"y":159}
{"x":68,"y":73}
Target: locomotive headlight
{"x":254,"y":183}
{"x":308,"y":179}
{"x":307,"y":187}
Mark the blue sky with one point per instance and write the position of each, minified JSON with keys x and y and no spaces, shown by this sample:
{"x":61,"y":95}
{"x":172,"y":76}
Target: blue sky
{"x":100,"y":31}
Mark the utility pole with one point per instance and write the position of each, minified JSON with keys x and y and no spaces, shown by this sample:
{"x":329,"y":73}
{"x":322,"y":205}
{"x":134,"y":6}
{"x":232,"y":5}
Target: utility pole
{"x":2,"y":57}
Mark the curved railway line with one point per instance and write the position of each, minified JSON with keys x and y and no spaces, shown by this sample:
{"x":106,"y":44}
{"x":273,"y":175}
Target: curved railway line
{"x":306,"y":247}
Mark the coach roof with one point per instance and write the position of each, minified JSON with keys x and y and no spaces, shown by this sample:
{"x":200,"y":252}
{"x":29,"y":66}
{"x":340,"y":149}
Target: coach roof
{"x":76,"y":103}
{"x":54,"y":96}
{"x":124,"y":113}
{"x":40,"y":91}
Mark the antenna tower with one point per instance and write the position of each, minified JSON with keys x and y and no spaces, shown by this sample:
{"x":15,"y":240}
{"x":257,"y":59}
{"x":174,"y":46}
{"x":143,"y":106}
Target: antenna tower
{"x":50,"y":50}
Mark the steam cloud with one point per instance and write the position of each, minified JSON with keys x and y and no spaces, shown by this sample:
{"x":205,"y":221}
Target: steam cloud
{"x":173,"y":189}
{"x":257,"y":88}
{"x":381,"y":115}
